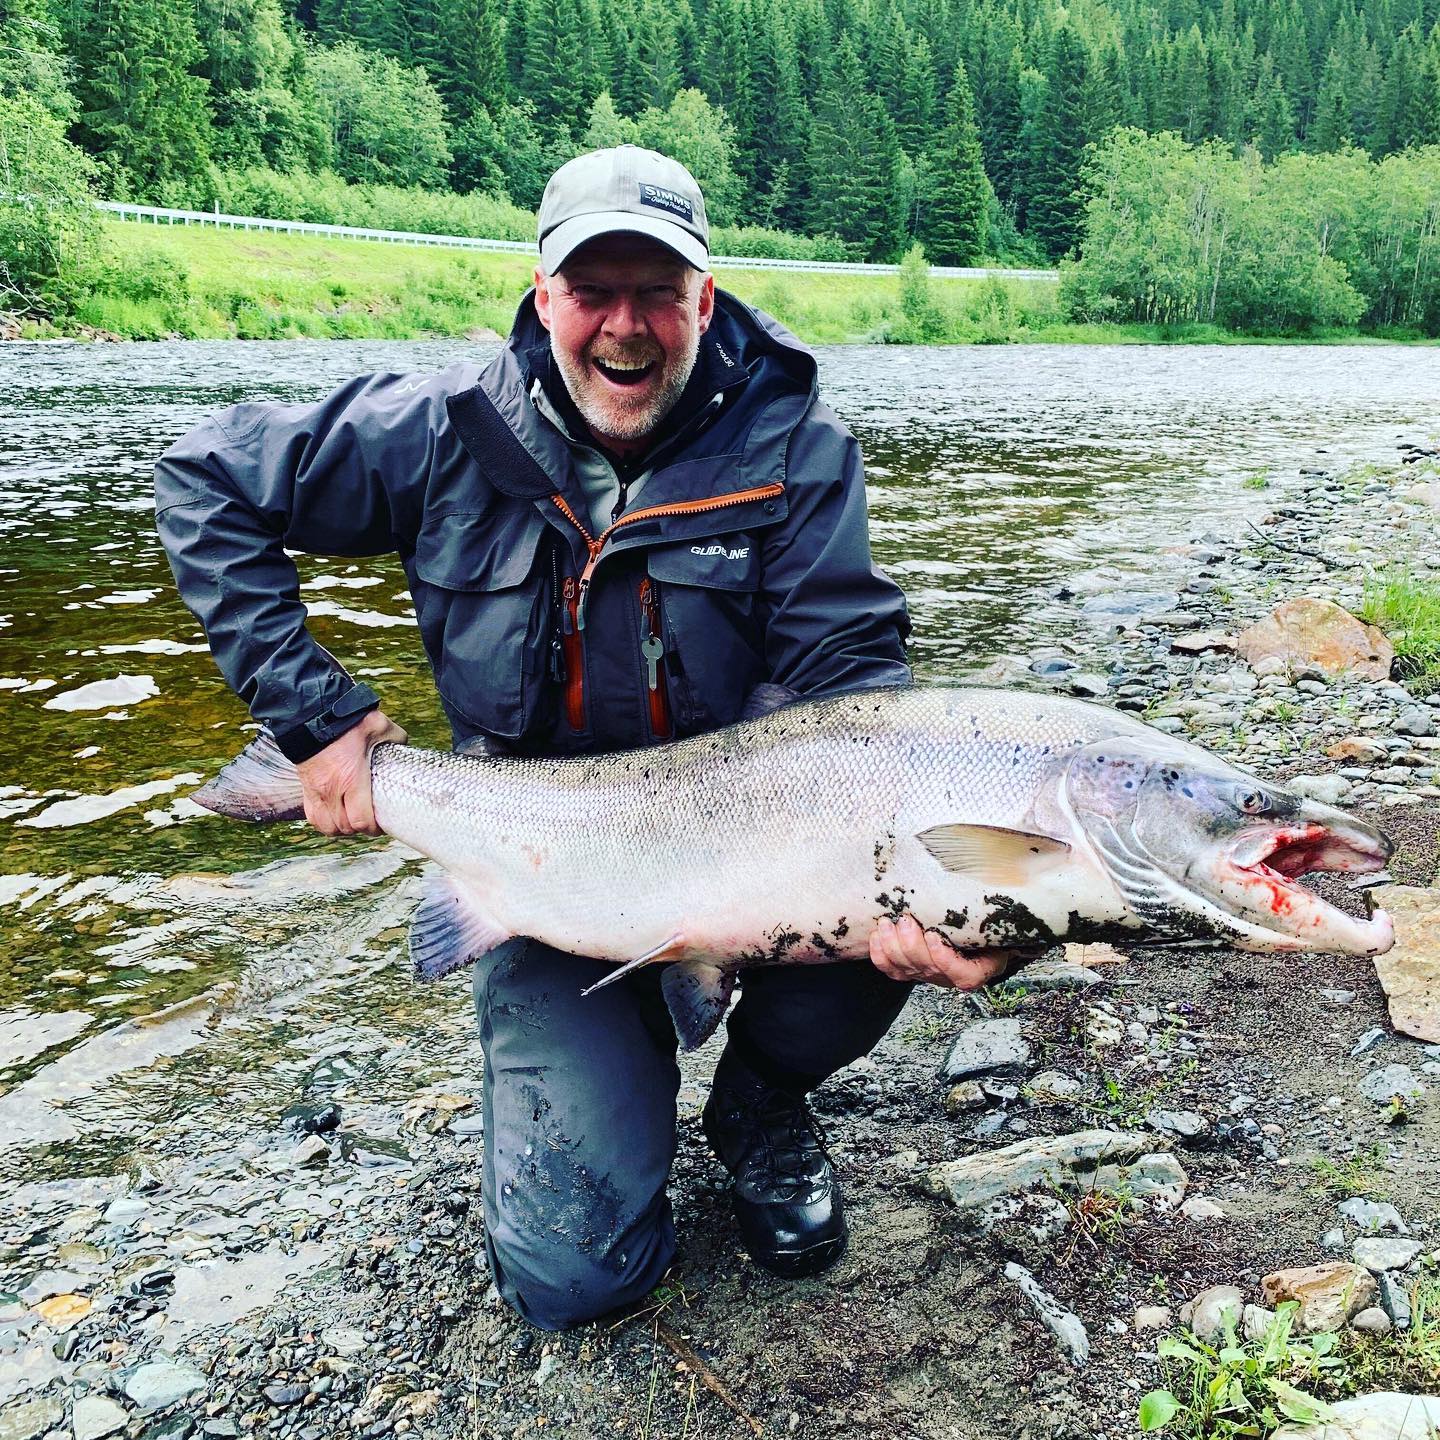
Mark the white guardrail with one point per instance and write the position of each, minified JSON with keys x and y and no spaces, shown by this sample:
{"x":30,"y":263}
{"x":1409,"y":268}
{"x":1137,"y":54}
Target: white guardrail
{"x":159,"y":215}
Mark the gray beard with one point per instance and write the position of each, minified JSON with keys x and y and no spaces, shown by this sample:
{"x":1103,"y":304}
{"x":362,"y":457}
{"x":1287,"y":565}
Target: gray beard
{"x":634,"y":426}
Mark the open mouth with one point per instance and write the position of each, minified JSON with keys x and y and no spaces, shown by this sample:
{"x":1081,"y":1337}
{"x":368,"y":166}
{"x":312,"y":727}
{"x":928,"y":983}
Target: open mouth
{"x":625,"y":372}
{"x":1271,"y":863}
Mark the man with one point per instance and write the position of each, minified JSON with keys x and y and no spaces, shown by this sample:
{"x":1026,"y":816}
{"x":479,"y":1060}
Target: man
{"x":637,"y":516}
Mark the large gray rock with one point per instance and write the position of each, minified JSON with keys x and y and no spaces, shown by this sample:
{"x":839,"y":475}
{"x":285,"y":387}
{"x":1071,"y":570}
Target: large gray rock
{"x":1065,"y":1161}
{"x":1391,"y":1082}
{"x":29,"y":1419}
{"x":990,"y":1047}
{"x":1376,"y":1253}
{"x":162,"y":1382}
{"x":1386,"y":1415}
{"x":1373,"y":1216}
{"x":95,"y":1416}
{"x":1327,"y":789}
{"x":1159,"y":1176}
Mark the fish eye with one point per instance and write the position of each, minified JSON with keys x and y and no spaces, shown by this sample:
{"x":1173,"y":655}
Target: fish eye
{"x":1254,"y":802}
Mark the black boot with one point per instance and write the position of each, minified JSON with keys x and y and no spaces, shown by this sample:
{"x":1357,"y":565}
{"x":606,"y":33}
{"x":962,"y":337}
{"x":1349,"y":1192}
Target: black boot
{"x":786,"y":1197}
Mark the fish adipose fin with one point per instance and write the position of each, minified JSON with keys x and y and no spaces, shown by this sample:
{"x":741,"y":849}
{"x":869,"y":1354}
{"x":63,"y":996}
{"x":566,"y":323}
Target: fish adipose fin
{"x":449,"y":930}
{"x":259,"y":785}
{"x":670,"y":949}
{"x":991,"y":852}
{"x":697,"y":994}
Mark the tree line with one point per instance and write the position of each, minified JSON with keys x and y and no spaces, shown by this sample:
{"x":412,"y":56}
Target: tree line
{"x":962,"y":124}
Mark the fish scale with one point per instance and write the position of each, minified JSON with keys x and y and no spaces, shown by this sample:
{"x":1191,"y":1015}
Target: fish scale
{"x":730,"y":837}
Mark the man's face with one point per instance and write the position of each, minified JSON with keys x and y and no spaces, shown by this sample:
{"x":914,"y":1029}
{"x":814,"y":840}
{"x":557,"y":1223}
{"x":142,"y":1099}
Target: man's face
{"x":625,"y":318}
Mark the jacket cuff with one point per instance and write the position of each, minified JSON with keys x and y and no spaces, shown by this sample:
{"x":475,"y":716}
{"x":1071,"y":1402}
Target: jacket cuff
{"x":303,"y":742}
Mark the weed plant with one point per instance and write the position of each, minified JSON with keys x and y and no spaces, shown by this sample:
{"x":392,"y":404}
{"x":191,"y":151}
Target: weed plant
{"x":1407,"y":608}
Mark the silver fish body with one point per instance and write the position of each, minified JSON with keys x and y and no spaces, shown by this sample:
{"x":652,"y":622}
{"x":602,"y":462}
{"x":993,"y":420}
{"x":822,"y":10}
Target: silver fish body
{"x":998,"y":818}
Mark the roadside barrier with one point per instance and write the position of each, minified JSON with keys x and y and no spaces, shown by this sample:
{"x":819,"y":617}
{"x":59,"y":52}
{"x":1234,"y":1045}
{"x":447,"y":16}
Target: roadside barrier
{"x":160,"y":215}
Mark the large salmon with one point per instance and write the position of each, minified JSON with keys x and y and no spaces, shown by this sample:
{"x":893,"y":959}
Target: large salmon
{"x":998,"y":818}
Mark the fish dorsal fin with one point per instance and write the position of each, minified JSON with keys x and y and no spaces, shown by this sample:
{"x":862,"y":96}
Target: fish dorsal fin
{"x":697,"y":994}
{"x":449,"y":929}
{"x":991,"y":852}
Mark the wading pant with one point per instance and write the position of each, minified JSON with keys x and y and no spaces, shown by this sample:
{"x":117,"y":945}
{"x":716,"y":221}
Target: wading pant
{"x":579,"y":1105}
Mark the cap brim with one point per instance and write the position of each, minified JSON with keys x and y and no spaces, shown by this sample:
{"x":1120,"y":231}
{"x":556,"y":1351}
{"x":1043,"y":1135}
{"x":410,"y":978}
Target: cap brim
{"x":570,"y":235}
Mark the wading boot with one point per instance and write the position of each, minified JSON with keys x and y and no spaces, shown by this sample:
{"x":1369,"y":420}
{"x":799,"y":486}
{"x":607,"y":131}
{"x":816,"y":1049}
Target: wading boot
{"x":787,"y":1200}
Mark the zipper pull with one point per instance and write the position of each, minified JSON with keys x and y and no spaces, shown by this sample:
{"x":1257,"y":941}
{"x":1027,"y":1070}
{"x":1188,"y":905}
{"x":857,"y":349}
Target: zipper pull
{"x":557,"y":660}
{"x":584,"y":587}
{"x":567,"y":607}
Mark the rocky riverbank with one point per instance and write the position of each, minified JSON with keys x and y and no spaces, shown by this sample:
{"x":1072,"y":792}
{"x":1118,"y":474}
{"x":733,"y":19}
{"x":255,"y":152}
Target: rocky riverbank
{"x":1205,"y":1120}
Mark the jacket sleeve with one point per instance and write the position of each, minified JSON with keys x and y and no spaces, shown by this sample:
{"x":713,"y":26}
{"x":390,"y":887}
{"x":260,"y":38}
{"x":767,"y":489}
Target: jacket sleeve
{"x":333,"y":478}
{"x":834,"y":620}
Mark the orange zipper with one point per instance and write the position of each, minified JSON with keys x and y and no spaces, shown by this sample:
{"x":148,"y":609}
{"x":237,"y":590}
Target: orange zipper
{"x":594,"y":544}
{"x":574,"y":653}
{"x":659,"y":695}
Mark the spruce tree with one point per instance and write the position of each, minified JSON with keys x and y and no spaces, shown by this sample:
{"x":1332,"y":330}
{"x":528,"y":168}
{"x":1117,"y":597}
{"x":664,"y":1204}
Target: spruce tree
{"x":954,"y":218}
{"x":853,"y":163}
{"x":1332,"y":124}
{"x":142,"y":111}
{"x":1058,"y":144}
{"x":1272,"y":121}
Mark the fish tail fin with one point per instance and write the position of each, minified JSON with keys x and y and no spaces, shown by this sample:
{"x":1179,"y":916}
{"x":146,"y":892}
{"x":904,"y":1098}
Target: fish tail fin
{"x":259,"y":785}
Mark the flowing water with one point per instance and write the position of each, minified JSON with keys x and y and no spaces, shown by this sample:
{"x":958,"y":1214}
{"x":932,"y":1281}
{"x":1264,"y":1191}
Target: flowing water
{"x":163,"y":965}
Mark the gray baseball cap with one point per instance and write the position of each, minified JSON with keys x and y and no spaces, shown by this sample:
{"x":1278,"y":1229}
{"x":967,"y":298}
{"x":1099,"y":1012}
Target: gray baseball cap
{"x":629,"y":191}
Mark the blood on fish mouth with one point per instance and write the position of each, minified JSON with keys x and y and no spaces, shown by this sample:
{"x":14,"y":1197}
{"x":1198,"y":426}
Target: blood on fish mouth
{"x":1278,"y":858}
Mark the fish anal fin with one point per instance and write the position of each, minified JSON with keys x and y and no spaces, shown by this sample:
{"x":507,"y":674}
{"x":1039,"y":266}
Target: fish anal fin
{"x":992,"y":853}
{"x":449,"y":929}
{"x":697,"y":993}
{"x":671,"y":949}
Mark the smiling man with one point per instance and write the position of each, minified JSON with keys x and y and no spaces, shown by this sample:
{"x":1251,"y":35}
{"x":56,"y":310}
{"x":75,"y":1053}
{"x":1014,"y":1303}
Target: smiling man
{"x":638,"y":521}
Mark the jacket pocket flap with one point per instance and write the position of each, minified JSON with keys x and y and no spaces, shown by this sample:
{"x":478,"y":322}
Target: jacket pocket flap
{"x":490,"y":551}
{"x":730,"y":563}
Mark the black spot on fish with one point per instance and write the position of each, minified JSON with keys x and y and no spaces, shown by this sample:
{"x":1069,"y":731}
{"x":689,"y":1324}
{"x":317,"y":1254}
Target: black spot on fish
{"x":1011,"y":923}
{"x":956,"y":919}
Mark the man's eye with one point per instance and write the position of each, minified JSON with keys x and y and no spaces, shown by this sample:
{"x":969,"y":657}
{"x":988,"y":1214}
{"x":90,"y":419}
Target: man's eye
{"x":587,"y":292}
{"x":660,"y":292}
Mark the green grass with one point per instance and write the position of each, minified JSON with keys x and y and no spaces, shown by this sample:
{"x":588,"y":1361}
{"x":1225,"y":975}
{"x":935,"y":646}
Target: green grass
{"x":222,"y":284}
{"x":1361,"y":1175}
{"x":1407,"y":609}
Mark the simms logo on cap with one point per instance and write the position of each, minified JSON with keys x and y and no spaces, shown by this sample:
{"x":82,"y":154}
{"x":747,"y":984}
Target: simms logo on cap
{"x":663,"y":199}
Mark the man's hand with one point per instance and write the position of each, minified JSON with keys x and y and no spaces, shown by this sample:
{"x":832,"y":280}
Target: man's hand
{"x":904,"y":951}
{"x":337,"y":780}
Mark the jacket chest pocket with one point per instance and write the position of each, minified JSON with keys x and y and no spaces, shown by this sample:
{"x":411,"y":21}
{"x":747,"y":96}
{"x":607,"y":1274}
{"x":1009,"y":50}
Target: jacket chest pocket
{"x":482,"y":610}
{"x":714,"y":638}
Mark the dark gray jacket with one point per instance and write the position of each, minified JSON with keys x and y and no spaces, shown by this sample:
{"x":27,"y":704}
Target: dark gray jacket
{"x":745,"y":558}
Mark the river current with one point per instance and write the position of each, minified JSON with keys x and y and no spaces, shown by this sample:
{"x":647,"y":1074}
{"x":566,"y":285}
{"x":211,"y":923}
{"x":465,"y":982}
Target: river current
{"x":162,"y":964}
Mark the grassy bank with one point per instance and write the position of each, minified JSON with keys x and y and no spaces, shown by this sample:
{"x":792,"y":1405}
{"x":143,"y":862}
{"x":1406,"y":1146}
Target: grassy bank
{"x":219,"y":284}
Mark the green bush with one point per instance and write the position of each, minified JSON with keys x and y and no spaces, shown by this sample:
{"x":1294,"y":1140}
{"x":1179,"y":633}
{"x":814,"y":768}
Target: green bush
{"x":47,"y":220}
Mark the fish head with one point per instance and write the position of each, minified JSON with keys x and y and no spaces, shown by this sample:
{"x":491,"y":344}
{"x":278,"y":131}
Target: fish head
{"x":1196,"y":846}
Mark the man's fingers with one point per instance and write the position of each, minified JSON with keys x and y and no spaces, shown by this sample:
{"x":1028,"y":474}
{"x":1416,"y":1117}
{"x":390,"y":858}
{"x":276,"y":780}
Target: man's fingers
{"x":360,"y":811}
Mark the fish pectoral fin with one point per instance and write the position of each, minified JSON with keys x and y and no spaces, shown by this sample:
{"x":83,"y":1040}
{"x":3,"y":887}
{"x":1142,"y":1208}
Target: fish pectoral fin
{"x":697,"y":993}
{"x":991,"y":852}
{"x":670,"y":949}
{"x":449,"y":929}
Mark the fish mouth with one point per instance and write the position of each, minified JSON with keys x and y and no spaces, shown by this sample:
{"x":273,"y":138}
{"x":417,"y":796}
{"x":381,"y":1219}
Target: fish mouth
{"x":1269,"y":864}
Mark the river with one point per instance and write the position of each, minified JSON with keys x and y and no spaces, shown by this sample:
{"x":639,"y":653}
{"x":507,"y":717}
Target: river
{"x":166,"y":968}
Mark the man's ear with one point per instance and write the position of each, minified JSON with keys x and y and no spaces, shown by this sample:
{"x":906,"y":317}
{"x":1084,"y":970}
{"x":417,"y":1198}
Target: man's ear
{"x":707,"y":301}
{"x":542,"y":297}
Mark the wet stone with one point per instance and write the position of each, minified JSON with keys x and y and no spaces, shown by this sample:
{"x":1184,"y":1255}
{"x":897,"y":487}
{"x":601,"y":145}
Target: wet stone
{"x":990,"y":1047}
{"x":1391,"y":1082}
{"x":283,"y":1395}
{"x":162,"y":1382}
{"x":1377,"y":1253}
{"x":1373,"y":1216}
{"x":1183,"y":1124}
{"x":1394,"y":1300}
{"x":94,"y":1416}
{"x":30,"y":1419}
